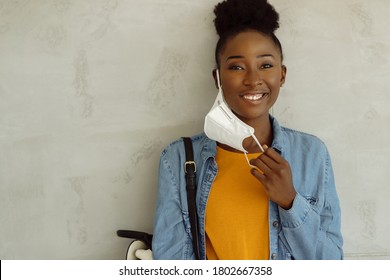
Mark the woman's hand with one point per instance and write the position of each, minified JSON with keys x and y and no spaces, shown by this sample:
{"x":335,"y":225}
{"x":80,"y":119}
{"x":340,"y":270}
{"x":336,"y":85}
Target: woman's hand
{"x":276,"y":177}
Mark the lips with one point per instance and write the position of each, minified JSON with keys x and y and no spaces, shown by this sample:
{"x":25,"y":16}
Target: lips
{"x":254,"y":96}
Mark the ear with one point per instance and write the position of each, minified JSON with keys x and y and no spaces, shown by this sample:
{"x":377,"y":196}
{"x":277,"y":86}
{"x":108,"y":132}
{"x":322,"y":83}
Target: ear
{"x":284,"y":73}
{"x":215,"y":78}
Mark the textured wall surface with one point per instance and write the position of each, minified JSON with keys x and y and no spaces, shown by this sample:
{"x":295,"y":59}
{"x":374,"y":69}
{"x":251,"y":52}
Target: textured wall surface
{"x":92,"y":90}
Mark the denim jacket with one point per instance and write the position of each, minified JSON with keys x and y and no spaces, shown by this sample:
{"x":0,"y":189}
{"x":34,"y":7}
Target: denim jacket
{"x":310,"y":229}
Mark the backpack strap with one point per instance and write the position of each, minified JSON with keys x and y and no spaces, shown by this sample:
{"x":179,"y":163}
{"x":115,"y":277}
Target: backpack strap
{"x":190,"y":174}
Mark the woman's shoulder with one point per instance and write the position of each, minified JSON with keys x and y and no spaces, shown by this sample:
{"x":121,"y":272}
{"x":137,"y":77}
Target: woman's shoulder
{"x":298,"y":134}
{"x":287,"y":136}
{"x":297,"y":138}
{"x":179,"y":141}
{"x":199,"y":142}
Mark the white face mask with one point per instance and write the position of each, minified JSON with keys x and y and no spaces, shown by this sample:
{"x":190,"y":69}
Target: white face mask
{"x":223,"y":126}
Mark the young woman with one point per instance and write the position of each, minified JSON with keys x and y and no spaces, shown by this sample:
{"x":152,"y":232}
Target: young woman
{"x":270,"y":196}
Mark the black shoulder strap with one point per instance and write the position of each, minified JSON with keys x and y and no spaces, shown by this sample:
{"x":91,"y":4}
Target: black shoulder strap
{"x":190,"y":173}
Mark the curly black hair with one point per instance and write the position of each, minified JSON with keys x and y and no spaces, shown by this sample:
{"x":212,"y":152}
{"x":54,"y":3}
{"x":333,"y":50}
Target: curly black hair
{"x":235,"y":16}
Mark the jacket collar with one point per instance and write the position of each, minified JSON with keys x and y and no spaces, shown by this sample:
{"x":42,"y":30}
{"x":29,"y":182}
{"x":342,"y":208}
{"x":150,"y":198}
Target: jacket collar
{"x":209,"y":148}
{"x":279,"y":138}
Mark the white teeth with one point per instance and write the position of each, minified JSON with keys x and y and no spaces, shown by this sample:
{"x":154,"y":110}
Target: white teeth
{"x":253,"y":97}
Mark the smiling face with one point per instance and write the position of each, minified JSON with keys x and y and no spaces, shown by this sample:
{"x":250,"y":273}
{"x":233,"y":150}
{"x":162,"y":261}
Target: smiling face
{"x":251,"y":74}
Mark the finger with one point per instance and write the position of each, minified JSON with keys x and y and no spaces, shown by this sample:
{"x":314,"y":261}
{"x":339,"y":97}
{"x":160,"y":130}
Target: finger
{"x":259,"y":163}
{"x":268,"y":161}
{"x":260,"y":176}
{"x":273,"y":154}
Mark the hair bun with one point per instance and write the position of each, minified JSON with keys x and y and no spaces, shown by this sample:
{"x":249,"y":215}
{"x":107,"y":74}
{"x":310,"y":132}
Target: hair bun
{"x":238,"y":14}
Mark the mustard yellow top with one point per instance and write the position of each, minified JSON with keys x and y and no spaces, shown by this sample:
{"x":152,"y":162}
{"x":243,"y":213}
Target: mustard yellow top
{"x":236,"y":212}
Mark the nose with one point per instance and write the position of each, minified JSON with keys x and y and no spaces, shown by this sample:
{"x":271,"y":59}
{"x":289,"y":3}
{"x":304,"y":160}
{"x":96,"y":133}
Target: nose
{"x":253,"y":78}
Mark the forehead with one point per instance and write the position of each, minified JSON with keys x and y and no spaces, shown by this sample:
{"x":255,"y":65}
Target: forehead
{"x":250,"y":43}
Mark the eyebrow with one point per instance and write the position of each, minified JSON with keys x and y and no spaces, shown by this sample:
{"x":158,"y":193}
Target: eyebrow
{"x":241,"y":56}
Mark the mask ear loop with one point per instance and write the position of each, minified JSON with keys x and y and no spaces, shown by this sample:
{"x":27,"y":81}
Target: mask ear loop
{"x":257,"y":142}
{"x":219,"y":86}
{"x":247,"y":159}
{"x":218,"y":79}
{"x":261,"y":148}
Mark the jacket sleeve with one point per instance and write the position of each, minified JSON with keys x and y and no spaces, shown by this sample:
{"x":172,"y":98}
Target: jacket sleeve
{"x":169,"y":237}
{"x":312,"y":230}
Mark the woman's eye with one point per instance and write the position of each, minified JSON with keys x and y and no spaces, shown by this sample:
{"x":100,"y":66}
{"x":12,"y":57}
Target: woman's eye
{"x":236,"y":67}
{"x":266,"y":66}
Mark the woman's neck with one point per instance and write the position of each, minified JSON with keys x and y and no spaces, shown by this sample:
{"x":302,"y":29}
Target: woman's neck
{"x":263,"y":133}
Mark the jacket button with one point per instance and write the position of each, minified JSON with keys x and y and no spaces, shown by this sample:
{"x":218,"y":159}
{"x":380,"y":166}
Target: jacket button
{"x":274,"y":256}
{"x":275,"y":224}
